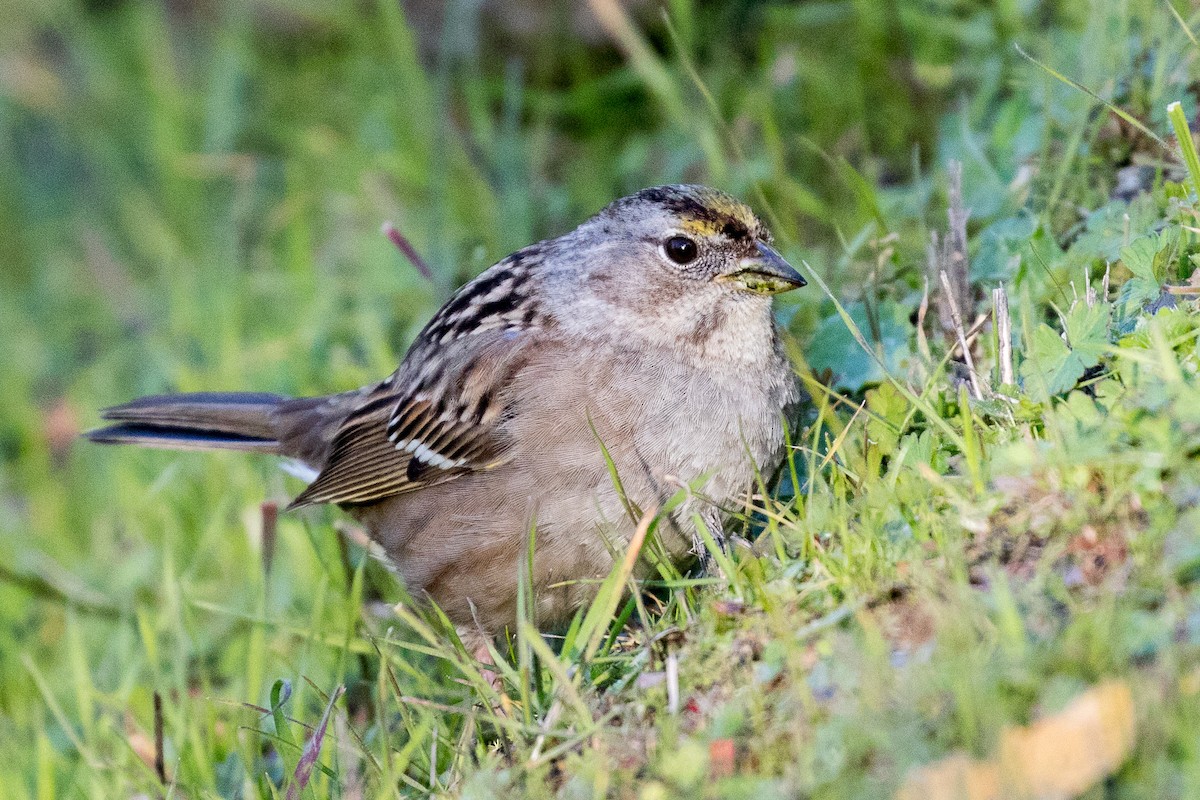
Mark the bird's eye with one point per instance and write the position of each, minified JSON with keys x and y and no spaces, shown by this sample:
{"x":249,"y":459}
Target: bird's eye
{"x":681,"y":249}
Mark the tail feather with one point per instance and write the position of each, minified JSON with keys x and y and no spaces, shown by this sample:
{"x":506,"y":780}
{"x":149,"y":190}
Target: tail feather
{"x":180,"y":439}
{"x":200,"y":421}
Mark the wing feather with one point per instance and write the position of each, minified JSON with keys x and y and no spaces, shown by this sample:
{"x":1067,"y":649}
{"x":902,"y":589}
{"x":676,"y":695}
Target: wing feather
{"x":423,"y":426}
{"x":436,"y":417}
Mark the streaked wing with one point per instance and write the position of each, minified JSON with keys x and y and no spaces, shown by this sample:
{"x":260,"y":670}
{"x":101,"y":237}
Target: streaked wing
{"x":431,"y":422}
{"x":434,"y":419}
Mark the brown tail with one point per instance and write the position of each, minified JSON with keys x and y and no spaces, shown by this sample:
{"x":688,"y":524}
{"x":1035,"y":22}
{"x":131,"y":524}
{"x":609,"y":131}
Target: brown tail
{"x":262,"y":423}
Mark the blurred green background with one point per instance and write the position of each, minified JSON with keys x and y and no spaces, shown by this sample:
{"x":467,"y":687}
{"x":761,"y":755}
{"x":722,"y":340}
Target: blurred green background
{"x":191,"y":196}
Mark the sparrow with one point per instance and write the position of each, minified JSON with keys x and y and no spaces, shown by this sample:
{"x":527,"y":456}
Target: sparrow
{"x":575,"y":381}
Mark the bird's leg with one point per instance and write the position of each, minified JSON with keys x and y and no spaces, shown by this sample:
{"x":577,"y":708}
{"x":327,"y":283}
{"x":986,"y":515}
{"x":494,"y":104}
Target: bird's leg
{"x":476,"y":642}
{"x":711,"y":517}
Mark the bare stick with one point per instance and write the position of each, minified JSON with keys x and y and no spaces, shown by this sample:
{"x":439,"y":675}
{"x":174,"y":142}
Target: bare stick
{"x":672,"y":681}
{"x":270,"y":519}
{"x":549,"y":722}
{"x":160,"y":766}
{"x":946,"y":257}
{"x":1003,"y":323}
{"x":405,"y":246}
{"x":976,"y":389}
{"x":922,"y":312}
{"x":936,"y":263}
{"x":956,"y":237}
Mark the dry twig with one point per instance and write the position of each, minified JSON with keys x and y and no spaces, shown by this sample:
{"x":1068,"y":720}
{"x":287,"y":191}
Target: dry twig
{"x":961,"y":333}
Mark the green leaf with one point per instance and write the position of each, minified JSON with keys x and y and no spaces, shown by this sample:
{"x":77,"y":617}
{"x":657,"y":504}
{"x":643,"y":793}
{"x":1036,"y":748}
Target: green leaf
{"x":891,"y":408}
{"x":1087,"y":332}
{"x":835,"y":348}
{"x":998,"y":244}
{"x":1139,"y":255}
{"x":1108,"y":227}
{"x":1050,"y":367}
{"x":1053,"y":366}
{"x":919,"y":448}
{"x":1136,"y":292}
{"x":281,"y":692}
{"x":1147,"y":256}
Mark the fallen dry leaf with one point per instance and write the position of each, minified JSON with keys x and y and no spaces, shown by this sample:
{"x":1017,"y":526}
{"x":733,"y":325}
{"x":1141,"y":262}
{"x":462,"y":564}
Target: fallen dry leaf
{"x":955,"y":777}
{"x":729,"y":607}
{"x":141,"y":743}
{"x":60,"y":426}
{"x":722,"y":758}
{"x":1055,"y":758}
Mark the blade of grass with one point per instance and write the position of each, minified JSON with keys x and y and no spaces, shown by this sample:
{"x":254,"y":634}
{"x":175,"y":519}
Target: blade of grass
{"x":918,"y":401}
{"x":56,"y":710}
{"x":564,"y":681}
{"x":600,"y":613}
{"x":1187,"y":146}
{"x":718,"y":554}
{"x":1182,"y":23}
{"x":1120,"y":112}
{"x":972,"y":453}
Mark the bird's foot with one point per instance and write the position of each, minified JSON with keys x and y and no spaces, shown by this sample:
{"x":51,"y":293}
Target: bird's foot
{"x":478,"y":644}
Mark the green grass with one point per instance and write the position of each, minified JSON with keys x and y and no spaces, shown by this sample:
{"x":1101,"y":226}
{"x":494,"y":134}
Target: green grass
{"x":191,"y":199}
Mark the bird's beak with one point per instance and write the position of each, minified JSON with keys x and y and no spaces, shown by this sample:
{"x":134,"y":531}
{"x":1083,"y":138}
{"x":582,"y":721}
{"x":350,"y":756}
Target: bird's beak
{"x":765,"y":272}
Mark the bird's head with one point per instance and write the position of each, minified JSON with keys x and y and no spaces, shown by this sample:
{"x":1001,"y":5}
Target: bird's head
{"x":682,"y":266}
{"x":692,"y":235}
